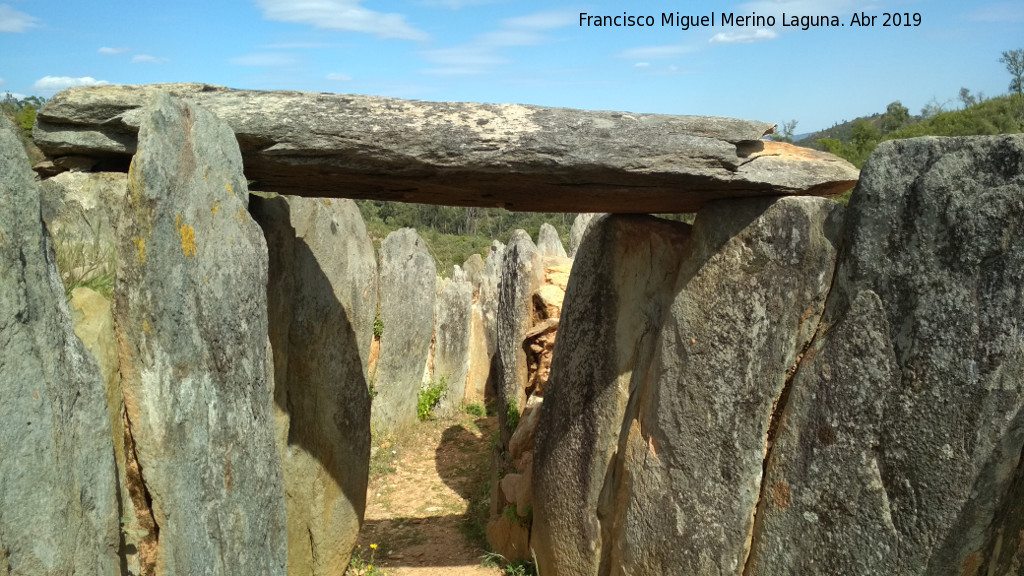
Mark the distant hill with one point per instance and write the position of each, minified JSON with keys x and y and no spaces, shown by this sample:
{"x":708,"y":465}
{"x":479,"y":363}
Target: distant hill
{"x":1002,"y":115}
{"x":854,"y":141}
{"x":844,"y":131}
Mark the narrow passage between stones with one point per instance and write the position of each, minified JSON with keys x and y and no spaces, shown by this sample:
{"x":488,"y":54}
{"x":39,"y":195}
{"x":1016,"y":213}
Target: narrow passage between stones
{"x":427,"y":501}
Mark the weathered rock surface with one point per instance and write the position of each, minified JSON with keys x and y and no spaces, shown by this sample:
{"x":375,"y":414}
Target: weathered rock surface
{"x":474,"y":268}
{"x":479,"y":358}
{"x":488,"y":295}
{"x":407,"y":296}
{"x":521,"y":274}
{"x":900,"y":448}
{"x":84,"y":204}
{"x":671,"y":483}
{"x":93,"y":319}
{"x":322,"y":298}
{"x":513,"y":156}
{"x":191,"y":313}
{"x":548,"y":242}
{"x":625,"y":274}
{"x":452,"y":342}
{"x":750,"y":295}
{"x":580,"y":225}
{"x":58,"y":489}
{"x":81,"y":211}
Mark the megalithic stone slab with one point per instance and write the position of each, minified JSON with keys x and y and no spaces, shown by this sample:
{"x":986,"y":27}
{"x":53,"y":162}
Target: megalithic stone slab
{"x":322,"y":296}
{"x":517,"y":157}
{"x":58,"y":504}
{"x":620,"y":288}
{"x":900,"y":448}
{"x":408,"y":293}
{"x":190,"y":307}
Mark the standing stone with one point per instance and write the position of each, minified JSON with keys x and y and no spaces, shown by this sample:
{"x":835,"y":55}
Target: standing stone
{"x":407,"y":296}
{"x":93,"y":319}
{"x":84,"y":207}
{"x":614,"y":305}
{"x":452,"y":344}
{"x":522,"y":272}
{"x":748,"y":301}
{"x":580,"y":225}
{"x":474,"y":268}
{"x":674,"y":473}
{"x":488,"y":293}
{"x":899,"y":450}
{"x":191,"y":312}
{"x":548,"y":242}
{"x":479,"y":358}
{"x":58,"y":503}
{"x":322,"y":298}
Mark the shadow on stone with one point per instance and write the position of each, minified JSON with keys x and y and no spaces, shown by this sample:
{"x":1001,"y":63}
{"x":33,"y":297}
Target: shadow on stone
{"x":321,"y":400}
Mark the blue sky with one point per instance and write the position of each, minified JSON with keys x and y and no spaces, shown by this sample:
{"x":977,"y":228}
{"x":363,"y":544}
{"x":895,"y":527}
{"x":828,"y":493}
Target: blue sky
{"x":525,"y":52}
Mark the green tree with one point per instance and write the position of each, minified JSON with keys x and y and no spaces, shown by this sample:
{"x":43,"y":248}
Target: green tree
{"x":1014,"y":61}
{"x":933,"y":108}
{"x":968,"y":99}
{"x":785,"y":133}
{"x":895,"y":117}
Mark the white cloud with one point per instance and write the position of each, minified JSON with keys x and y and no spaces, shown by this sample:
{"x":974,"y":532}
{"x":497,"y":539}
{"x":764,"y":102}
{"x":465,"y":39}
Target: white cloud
{"x":147,"y":59}
{"x":483,"y":53}
{"x":109,"y":50}
{"x":656,"y":52}
{"x":298,"y":45}
{"x":455,"y":4}
{"x":345,"y":15}
{"x":13,"y":21}
{"x":744,"y":37}
{"x":541,"y":20}
{"x":339,"y":77}
{"x":270,"y":59}
{"x":642,"y":65}
{"x":49,"y":85}
{"x":809,"y":7}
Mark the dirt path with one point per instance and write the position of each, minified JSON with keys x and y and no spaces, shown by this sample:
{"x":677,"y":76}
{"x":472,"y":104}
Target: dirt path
{"x":426,"y":507}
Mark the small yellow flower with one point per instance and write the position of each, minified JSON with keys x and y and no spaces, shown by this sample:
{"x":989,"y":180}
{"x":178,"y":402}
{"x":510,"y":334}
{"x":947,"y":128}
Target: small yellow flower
{"x":373,"y":546}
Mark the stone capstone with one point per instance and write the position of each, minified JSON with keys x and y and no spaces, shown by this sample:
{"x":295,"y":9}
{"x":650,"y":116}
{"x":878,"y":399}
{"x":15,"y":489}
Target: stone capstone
{"x":322,"y":298}
{"x":512,"y":156}
{"x":190,"y":308}
{"x":58,"y":488}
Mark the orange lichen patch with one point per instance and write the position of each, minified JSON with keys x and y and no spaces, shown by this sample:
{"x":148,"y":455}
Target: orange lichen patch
{"x":780,"y":494}
{"x":972,"y":564}
{"x":215,"y":209}
{"x":188,"y":237}
{"x":229,"y":189}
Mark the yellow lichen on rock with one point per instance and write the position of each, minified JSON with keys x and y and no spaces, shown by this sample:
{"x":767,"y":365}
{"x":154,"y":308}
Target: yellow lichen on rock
{"x":140,"y":246}
{"x":188,"y":237}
